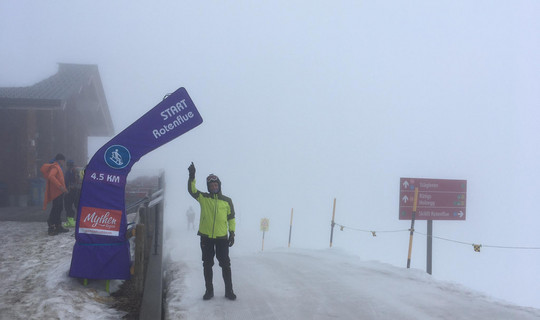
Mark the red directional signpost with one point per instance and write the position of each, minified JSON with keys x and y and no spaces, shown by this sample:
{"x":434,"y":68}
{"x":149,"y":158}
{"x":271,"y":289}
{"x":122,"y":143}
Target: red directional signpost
{"x":436,"y":199}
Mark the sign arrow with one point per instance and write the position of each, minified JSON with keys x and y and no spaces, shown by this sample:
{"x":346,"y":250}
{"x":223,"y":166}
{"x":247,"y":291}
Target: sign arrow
{"x":438,"y":199}
{"x":405,"y":198}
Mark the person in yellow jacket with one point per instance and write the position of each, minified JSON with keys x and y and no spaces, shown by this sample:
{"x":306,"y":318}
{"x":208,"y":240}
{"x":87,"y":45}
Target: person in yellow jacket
{"x":54,"y":191}
{"x":216,"y":229}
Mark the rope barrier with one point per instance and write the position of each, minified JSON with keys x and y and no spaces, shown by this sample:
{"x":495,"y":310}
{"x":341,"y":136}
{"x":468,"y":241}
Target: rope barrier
{"x":478,"y":246}
{"x":373,"y":232}
{"x":445,"y":239}
{"x":475,"y":246}
{"x":503,"y":247}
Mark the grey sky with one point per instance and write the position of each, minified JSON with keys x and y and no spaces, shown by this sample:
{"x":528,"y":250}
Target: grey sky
{"x":310,"y":100}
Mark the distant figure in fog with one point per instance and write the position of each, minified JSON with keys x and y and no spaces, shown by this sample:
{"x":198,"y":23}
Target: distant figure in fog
{"x":217,"y":219}
{"x":190,"y":214}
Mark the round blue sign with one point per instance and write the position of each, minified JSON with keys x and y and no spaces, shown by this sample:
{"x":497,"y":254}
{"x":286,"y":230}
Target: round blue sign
{"x":117,"y":156}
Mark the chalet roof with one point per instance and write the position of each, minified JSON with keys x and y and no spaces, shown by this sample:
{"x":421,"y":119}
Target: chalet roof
{"x":74,"y":85}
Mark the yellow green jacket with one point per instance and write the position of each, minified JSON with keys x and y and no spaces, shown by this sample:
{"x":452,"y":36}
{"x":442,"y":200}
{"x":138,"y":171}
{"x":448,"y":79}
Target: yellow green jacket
{"x":217,"y":213}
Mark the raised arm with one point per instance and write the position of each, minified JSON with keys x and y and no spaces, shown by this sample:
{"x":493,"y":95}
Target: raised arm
{"x":192,"y":189}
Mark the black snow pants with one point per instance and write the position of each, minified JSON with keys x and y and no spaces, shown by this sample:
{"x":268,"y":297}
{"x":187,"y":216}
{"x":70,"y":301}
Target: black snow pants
{"x":56,"y":211}
{"x":71,"y":202}
{"x":220,"y":249}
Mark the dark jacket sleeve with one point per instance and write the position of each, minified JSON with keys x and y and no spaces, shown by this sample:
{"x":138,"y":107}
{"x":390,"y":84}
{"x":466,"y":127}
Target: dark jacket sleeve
{"x":231,"y":216}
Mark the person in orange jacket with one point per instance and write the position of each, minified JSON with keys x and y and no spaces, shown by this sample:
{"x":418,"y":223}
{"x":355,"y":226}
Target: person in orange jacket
{"x":54,"y":191}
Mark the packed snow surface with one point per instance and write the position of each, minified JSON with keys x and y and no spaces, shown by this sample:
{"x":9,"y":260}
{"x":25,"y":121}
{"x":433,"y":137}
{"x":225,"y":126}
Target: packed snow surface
{"x":291,"y":283}
{"x":281,"y":283}
{"x":34,"y":277}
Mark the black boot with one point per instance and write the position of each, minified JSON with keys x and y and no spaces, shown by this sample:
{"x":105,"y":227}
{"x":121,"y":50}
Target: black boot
{"x":227,"y":278}
{"x":60,"y":229}
{"x":209,"y":294}
{"x":208,"y":283}
{"x":52,"y":230}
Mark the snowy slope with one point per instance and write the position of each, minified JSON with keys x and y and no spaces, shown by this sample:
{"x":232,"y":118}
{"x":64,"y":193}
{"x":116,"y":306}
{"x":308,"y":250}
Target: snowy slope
{"x":34,"y":277}
{"x":274,"y":284}
{"x":320,"y":284}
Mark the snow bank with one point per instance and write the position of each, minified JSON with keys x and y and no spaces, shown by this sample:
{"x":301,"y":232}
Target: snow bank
{"x":35,"y":283}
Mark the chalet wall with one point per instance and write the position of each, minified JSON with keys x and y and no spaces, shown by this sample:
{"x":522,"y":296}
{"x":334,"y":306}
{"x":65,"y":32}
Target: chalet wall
{"x":53,"y":116}
{"x":17,"y":127}
{"x":30,"y":139}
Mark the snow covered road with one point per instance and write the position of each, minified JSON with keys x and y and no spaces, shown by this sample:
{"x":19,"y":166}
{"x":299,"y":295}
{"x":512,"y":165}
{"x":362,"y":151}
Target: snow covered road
{"x":321,"y":284}
{"x":274,"y":284}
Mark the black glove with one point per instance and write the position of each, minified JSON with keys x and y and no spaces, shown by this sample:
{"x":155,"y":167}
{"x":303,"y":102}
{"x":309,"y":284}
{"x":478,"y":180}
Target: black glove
{"x":231,"y":238}
{"x":191,"y":170}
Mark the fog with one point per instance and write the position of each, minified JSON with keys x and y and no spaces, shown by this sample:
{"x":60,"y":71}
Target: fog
{"x":308,"y":101}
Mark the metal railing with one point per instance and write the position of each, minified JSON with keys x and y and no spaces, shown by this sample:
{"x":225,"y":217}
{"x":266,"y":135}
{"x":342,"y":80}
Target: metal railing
{"x":147,"y":267}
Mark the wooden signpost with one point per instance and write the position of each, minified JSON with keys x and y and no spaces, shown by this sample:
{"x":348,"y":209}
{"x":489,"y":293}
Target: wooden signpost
{"x":265,"y":222}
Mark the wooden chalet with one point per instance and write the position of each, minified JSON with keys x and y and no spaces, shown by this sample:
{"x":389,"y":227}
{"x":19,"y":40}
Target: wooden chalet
{"x":56,"y":115}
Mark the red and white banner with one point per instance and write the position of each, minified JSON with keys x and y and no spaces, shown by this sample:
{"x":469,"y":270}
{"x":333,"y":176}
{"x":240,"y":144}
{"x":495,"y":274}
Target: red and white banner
{"x":100,"y":221}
